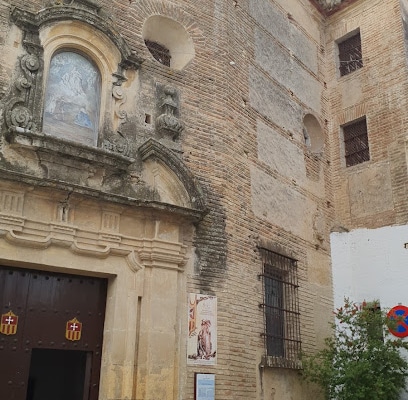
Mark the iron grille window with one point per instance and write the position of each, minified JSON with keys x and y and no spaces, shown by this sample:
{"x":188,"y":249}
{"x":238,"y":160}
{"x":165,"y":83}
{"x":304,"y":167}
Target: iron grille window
{"x":159,"y":52}
{"x":356,"y":147}
{"x":350,"y":54}
{"x":281,"y":310}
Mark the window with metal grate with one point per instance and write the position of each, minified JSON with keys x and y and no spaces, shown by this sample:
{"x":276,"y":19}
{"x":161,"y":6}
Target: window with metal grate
{"x":356,"y":148}
{"x":281,"y":310}
{"x":159,"y":52}
{"x":350,"y":54}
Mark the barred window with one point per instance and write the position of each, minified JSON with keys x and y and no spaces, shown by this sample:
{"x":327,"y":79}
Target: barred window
{"x":159,"y":52}
{"x":350,"y":55}
{"x":356,"y":148}
{"x":281,"y":310}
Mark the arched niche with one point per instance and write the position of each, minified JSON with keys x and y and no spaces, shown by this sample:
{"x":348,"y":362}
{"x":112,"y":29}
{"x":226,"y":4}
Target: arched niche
{"x":168,"y":35}
{"x":313,"y":134}
{"x":78,"y":68}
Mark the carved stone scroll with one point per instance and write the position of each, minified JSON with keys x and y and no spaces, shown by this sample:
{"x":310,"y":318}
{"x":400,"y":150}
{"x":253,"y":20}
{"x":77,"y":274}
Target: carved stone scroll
{"x":22,"y":109}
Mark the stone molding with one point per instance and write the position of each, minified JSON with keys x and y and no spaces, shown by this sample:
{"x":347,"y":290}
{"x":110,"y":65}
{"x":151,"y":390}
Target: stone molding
{"x":79,"y":10}
{"x":154,"y":149}
{"x":188,"y":213}
{"x":43,"y":144}
{"x":139,"y":253}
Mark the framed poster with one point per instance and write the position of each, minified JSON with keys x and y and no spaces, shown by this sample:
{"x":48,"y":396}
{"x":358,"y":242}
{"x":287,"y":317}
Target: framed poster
{"x":202,"y":330}
{"x":204,"y":387}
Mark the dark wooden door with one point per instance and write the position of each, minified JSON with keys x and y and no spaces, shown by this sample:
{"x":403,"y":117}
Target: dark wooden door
{"x":44,"y":303}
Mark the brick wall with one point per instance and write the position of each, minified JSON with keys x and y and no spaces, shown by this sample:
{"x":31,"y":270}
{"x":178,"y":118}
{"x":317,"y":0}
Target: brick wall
{"x":259,"y":69}
{"x":370,"y":194}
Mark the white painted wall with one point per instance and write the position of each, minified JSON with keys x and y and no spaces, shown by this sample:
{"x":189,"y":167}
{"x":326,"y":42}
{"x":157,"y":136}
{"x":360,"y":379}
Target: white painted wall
{"x":371,"y":264}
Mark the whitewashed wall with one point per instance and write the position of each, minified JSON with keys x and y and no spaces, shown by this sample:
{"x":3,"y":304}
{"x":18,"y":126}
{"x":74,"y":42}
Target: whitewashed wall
{"x":371,"y":264}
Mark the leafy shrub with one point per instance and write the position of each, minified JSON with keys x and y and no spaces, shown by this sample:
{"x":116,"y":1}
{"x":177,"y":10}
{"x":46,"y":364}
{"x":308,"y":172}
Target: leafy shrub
{"x":362,"y":360}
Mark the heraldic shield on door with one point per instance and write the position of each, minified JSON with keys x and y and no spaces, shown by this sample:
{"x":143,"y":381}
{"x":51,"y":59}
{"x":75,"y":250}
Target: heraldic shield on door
{"x":51,"y":332}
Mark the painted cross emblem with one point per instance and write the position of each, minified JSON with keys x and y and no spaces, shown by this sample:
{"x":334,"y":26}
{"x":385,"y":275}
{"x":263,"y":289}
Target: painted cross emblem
{"x":9,"y":323}
{"x":73,"y":330}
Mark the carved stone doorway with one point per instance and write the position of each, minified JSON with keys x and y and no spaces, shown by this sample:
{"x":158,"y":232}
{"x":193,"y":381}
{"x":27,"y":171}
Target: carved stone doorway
{"x":50,"y":335}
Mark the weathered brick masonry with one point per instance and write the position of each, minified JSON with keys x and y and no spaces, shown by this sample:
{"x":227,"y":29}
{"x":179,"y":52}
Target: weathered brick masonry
{"x":371,"y":194}
{"x":259,"y":163}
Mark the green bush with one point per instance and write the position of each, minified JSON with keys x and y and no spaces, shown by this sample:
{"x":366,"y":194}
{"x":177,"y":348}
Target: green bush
{"x":362,"y":360}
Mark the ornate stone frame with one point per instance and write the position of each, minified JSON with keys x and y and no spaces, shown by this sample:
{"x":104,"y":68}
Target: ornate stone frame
{"x":67,"y":26}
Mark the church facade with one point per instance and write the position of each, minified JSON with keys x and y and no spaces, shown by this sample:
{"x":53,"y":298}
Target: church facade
{"x":172,"y":174}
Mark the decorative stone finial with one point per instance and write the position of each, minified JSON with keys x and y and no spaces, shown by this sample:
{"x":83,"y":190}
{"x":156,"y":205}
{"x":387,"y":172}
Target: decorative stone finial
{"x":167,"y":122}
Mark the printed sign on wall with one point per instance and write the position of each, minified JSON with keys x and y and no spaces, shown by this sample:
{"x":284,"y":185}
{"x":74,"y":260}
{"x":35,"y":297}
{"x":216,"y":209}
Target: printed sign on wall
{"x":204,"y":387}
{"x":202,"y":329}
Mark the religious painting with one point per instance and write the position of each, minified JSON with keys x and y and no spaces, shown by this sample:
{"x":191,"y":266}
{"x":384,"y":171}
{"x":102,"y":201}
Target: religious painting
{"x":202,"y":330}
{"x":72,"y":99}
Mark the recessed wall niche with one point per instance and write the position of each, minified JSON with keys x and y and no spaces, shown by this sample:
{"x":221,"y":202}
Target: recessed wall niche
{"x":313,"y":134}
{"x":170,"y":36}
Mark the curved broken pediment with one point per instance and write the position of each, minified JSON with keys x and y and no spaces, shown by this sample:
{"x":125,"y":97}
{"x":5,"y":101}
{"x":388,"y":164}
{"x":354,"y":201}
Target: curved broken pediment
{"x":169,"y":177}
{"x":77,"y":10}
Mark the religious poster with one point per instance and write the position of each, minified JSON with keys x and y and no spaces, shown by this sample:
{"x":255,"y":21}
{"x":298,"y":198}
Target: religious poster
{"x":202,"y":330}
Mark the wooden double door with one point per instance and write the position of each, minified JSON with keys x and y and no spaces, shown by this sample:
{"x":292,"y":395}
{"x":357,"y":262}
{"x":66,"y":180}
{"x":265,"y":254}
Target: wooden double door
{"x":50,"y":335}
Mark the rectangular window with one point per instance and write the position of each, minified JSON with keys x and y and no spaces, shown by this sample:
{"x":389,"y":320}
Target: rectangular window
{"x":350,"y":55}
{"x":281,"y":310}
{"x":356,"y":149}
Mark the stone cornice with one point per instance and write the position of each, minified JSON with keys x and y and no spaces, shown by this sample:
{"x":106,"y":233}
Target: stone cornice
{"x":191,"y":214}
{"x":41,"y":143}
{"x":139,"y":253}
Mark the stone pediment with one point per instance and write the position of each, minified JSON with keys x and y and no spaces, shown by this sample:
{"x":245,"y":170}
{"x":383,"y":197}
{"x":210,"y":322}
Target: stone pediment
{"x":167,"y":175}
{"x":76,"y":10}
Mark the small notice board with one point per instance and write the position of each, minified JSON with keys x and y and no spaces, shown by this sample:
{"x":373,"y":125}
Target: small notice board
{"x":204,"y":386}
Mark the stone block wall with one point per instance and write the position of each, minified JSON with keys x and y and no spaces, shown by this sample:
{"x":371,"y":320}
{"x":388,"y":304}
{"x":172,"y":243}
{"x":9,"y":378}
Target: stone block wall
{"x":259,"y":69}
